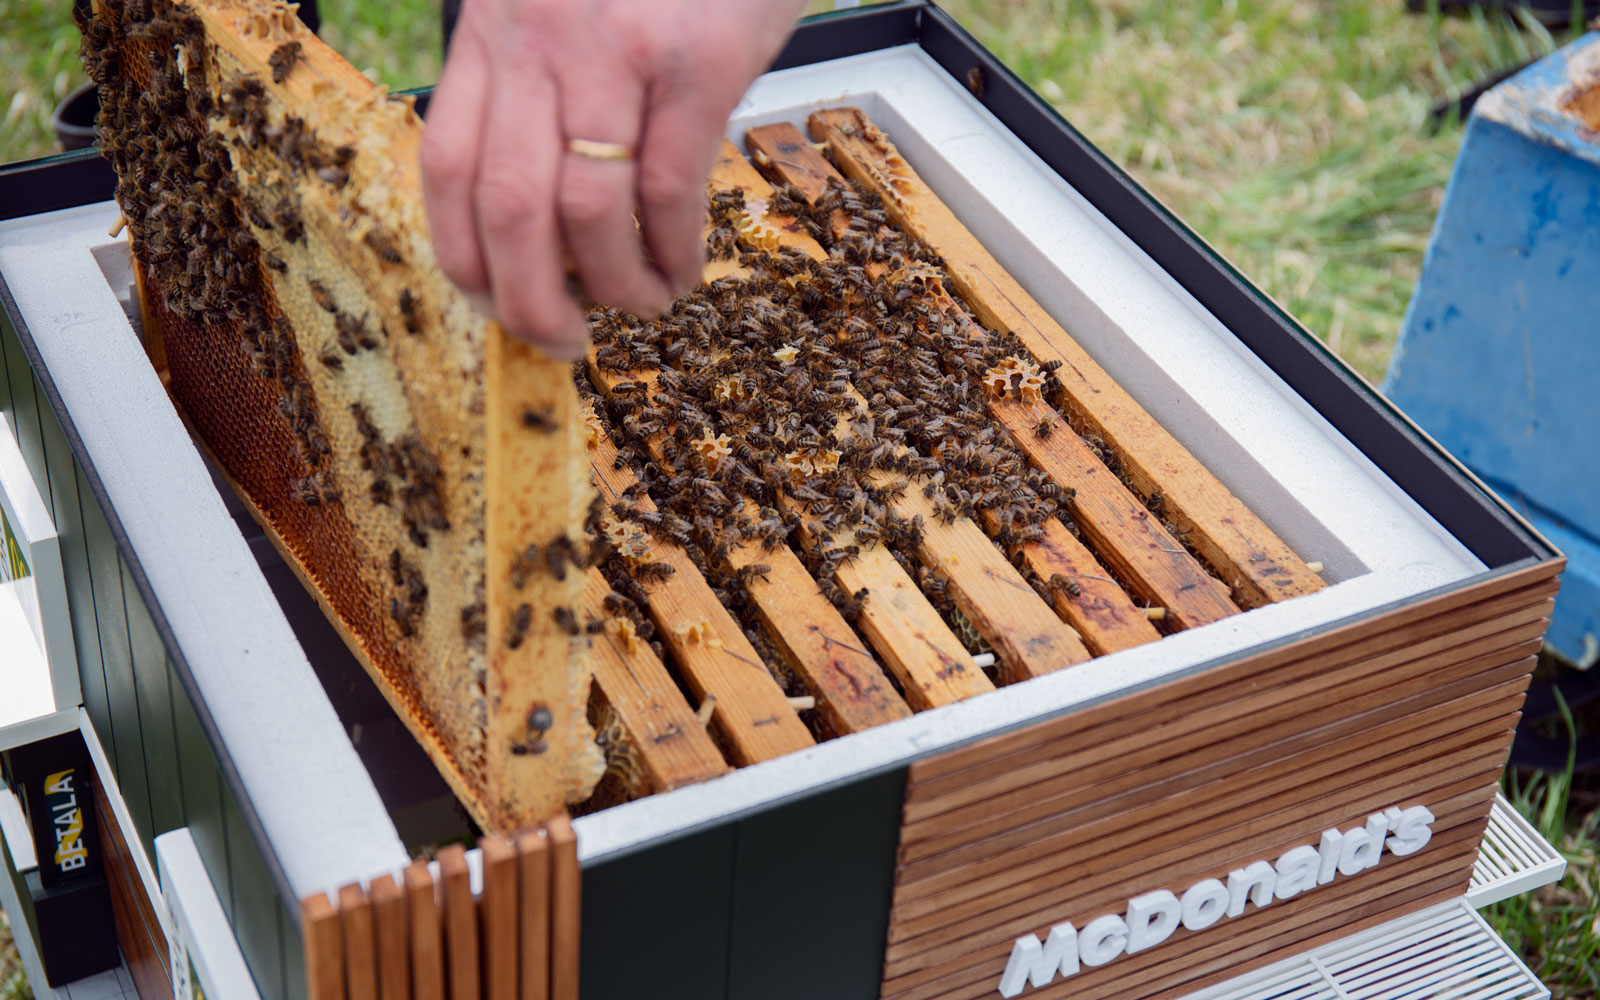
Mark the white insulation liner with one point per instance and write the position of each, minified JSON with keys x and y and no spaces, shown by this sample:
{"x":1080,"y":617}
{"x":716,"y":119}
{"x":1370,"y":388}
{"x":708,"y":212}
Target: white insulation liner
{"x":1315,"y":489}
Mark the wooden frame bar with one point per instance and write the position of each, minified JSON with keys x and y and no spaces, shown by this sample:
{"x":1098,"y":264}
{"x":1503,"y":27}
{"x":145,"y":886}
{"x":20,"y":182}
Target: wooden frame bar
{"x":1233,"y":540}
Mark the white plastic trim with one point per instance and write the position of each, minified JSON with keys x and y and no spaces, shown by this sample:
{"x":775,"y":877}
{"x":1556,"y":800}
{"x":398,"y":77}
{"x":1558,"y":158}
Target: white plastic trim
{"x":1512,"y":859}
{"x":1445,"y":952}
{"x":199,"y":933}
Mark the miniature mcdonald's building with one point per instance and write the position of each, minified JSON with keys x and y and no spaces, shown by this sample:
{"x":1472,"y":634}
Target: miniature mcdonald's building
{"x":989,"y":591}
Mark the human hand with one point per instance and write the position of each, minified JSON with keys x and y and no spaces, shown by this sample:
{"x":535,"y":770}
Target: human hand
{"x":508,"y":201}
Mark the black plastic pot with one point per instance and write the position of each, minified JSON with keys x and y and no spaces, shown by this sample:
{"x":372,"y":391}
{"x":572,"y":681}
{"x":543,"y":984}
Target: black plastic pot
{"x":73,"y":118}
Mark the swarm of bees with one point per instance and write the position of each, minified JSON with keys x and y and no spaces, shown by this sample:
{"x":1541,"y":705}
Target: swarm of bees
{"x":829,"y":386}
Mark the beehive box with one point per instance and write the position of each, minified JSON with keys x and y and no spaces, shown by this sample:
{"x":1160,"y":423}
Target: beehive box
{"x":918,"y":855}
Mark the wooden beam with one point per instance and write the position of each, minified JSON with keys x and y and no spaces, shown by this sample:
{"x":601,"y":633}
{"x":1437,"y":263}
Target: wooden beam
{"x":533,"y":867}
{"x":393,"y":937}
{"x":670,"y":745}
{"x":360,"y":943}
{"x":1249,"y":557}
{"x":324,"y":940}
{"x":566,"y":896}
{"x":500,"y":908}
{"x":460,"y":924}
{"x":427,"y":932}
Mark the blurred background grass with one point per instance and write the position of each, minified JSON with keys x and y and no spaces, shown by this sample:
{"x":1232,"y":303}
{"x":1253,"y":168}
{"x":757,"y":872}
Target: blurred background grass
{"x":1288,"y":133}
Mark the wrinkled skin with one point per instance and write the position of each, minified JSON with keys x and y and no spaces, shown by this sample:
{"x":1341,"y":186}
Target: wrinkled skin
{"x":513,"y":211}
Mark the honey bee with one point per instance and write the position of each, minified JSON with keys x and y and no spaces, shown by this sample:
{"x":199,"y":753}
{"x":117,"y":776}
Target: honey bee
{"x":517,"y":631}
{"x":566,"y":620}
{"x":320,"y":295}
{"x":282,"y":60}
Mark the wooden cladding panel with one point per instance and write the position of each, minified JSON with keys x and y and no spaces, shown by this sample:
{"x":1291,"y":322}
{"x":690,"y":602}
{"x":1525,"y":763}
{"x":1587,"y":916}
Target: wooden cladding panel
{"x":139,"y":933}
{"x":428,"y":936}
{"x":1068,"y":819}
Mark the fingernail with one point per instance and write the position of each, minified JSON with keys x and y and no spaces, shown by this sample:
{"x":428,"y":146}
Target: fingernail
{"x":565,"y":349}
{"x":481,"y":303}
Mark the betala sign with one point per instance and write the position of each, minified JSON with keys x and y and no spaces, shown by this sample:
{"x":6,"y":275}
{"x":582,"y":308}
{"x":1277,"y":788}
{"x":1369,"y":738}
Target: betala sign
{"x":1151,"y":918}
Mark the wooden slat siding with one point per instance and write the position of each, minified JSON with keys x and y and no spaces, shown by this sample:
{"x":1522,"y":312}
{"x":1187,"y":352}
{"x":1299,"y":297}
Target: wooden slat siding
{"x":391,"y":930}
{"x":566,"y":896}
{"x":139,"y":933}
{"x":931,"y":919}
{"x":959,"y":958}
{"x":1096,"y":757}
{"x":426,"y":933}
{"x":255,"y":922}
{"x":460,"y":921}
{"x":158,"y":743}
{"x":1102,"y":612}
{"x":1027,"y":635}
{"x":1250,"y":941}
{"x":1204,"y":728}
{"x":533,"y":869}
{"x":324,"y":937}
{"x":1233,"y":540}
{"x":1509,"y":597}
{"x":1243,"y":762}
{"x":125,"y":754}
{"x":960,"y":846}
{"x":500,"y":910}
{"x":929,"y":661}
{"x":360,"y":943}
{"x":752,"y":714}
{"x":670,"y":746}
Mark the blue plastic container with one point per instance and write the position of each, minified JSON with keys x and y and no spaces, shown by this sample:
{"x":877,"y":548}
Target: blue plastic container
{"x":1499,"y":358}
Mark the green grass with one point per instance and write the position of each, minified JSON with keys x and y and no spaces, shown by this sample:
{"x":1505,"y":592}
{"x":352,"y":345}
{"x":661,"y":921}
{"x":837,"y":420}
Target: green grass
{"x":13,"y":984}
{"x":1288,"y":133}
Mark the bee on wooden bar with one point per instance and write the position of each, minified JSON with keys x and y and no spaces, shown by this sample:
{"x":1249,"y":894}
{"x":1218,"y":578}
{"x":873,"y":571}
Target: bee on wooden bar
{"x":282,"y":60}
{"x":653,"y":571}
{"x":517,"y":631}
{"x":566,"y":620}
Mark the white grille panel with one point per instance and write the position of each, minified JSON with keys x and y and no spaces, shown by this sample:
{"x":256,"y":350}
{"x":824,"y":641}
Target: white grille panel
{"x":1445,"y":952}
{"x":1512,"y":859}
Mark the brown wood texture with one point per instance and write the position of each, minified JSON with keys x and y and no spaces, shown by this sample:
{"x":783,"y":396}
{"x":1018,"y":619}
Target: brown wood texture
{"x":1027,"y":636}
{"x":669,"y":745}
{"x":1102,"y":612}
{"x":360,"y":943}
{"x":1258,"y":565}
{"x":427,"y":936}
{"x":1070,"y":818}
{"x":323,"y":932}
{"x":393,"y":930}
{"x":500,"y":911}
{"x":751,"y":712}
{"x":566,"y":897}
{"x":460,"y":919}
{"x":533,"y":927}
{"x":139,"y":933}
{"x":813,"y":637}
{"x":426,"y":933}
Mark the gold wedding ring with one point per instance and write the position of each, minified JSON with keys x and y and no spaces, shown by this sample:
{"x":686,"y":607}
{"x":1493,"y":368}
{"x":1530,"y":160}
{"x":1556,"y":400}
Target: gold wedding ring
{"x":589,"y":149}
